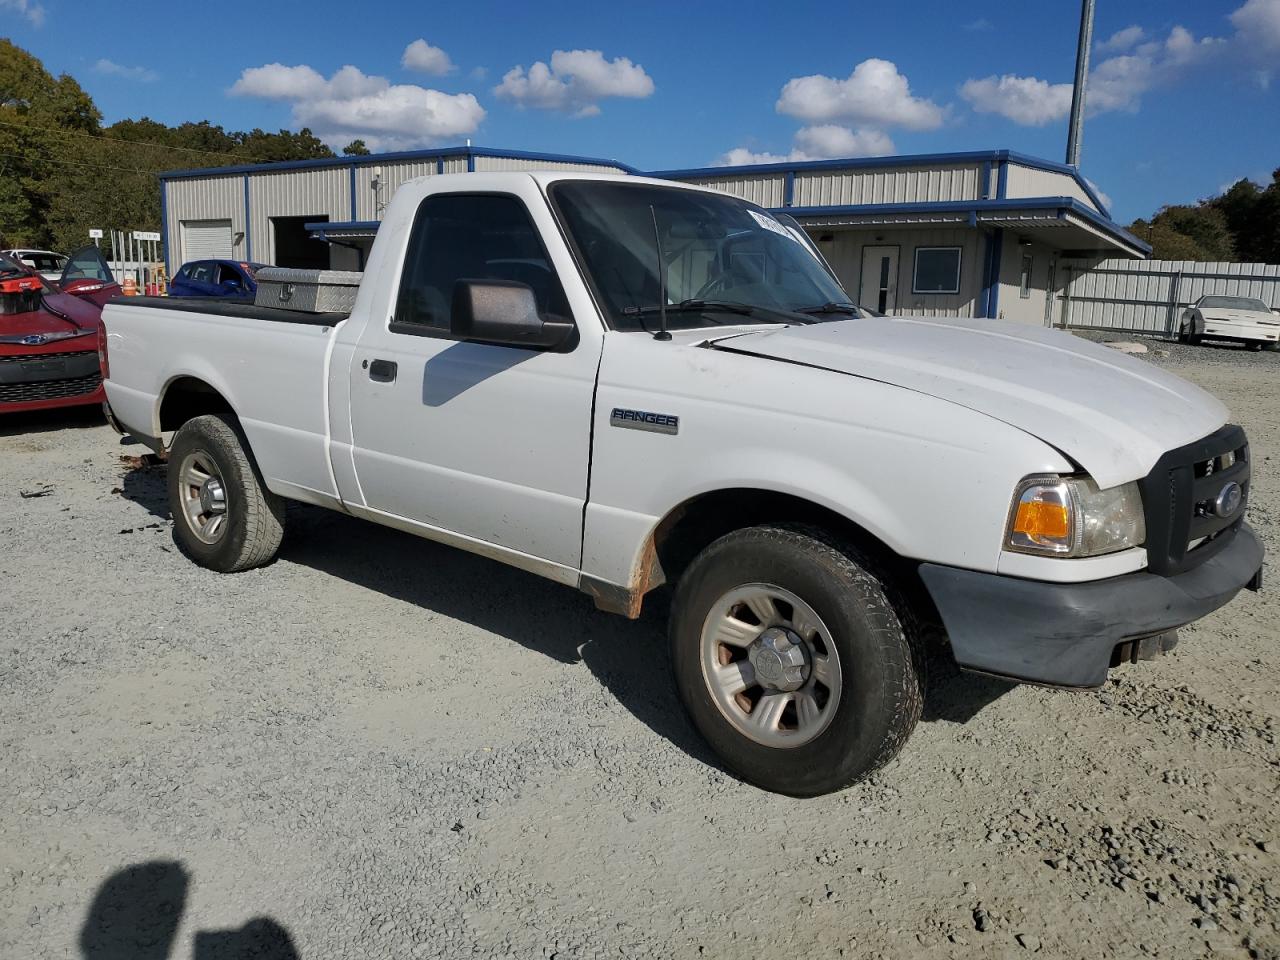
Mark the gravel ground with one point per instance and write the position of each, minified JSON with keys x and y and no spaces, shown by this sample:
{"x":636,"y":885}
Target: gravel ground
{"x":379,"y":747}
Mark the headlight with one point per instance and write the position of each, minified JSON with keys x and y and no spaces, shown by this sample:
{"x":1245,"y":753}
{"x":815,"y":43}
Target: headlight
{"x":1071,"y":517}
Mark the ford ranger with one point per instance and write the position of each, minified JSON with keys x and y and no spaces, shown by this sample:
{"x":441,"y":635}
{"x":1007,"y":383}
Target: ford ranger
{"x":620,"y":383}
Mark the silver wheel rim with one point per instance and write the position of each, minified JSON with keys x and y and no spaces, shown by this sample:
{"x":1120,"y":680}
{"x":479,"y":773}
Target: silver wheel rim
{"x":770,"y":665}
{"x":202,"y":496}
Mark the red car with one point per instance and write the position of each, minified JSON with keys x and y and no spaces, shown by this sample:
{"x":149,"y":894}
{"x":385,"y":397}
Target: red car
{"x":49,"y":334}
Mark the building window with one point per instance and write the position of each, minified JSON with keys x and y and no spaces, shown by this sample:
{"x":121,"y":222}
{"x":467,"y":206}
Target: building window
{"x":1024,"y":283}
{"x":937,"y":270}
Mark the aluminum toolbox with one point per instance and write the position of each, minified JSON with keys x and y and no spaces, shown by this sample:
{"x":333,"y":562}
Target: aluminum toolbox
{"x":309,"y":291}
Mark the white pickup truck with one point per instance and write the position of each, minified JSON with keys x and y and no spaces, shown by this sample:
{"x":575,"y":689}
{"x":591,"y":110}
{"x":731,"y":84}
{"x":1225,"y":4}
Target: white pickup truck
{"x":519,"y":378}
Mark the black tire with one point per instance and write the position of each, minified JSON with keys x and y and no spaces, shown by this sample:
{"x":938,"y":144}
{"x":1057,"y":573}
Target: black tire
{"x":1254,"y":346}
{"x":254,"y":523}
{"x":881,"y":688}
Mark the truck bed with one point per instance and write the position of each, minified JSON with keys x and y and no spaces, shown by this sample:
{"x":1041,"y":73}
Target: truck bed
{"x":225,"y":307}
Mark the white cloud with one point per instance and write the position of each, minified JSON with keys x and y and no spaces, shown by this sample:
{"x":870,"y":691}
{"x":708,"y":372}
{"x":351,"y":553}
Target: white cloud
{"x":825,"y":142}
{"x":422,"y":57}
{"x":1122,"y":40}
{"x":1102,"y":194}
{"x":33,"y":13}
{"x":1025,"y":100}
{"x":1258,"y":23}
{"x":111,"y":69}
{"x":1118,"y":83}
{"x":575,"y":82}
{"x":353,"y":104}
{"x":875,"y":94}
{"x":830,"y":140}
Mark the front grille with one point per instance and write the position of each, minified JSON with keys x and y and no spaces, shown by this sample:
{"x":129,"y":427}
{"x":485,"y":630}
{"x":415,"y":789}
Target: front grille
{"x":49,"y":389}
{"x":1178,"y":496}
{"x":37,"y":357}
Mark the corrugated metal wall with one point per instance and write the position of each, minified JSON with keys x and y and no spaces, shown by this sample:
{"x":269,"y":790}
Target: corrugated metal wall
{"x":393,"y":176}
{"x":203,"y":198}
{"x":502,"y":164}
{"x":322,"y":191}
{"x":767,"y":190}
{"x":1030,"y":182}
{"x":1149,"y":296}
{"x":888,"y":185}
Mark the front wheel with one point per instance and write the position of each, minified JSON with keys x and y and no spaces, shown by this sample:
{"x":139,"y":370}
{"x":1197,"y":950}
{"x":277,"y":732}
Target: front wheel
{"x":224,"y":518}
{"x":791,"y":660}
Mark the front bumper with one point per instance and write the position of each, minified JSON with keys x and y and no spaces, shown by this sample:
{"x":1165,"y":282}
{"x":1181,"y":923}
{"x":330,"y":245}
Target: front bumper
{"x":1064,"y":633}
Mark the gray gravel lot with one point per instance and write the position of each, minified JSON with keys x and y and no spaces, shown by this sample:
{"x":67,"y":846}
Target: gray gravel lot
{"x":379,"y":747}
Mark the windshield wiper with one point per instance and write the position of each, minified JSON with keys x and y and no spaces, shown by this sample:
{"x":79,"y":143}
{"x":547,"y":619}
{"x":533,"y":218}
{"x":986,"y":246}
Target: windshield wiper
{"x":763,"y":314}
{"x":831,"y":307}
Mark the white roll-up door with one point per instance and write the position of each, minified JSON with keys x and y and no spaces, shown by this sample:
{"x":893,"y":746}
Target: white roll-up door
{"x":206,"y":240}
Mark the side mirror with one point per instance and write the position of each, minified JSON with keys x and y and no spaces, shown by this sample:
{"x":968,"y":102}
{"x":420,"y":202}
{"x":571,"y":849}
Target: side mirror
{"x":505,"y":313}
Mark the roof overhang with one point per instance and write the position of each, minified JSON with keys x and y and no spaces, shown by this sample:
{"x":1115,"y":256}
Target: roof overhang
{"x":1061,"y":222}
{"x":337,"y":230}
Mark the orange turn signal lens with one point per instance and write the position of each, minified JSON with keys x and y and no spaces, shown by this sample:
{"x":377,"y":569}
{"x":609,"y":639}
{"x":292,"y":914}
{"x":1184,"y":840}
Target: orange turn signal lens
{"x":1043,"y":517}
{"x":1040,"y":520}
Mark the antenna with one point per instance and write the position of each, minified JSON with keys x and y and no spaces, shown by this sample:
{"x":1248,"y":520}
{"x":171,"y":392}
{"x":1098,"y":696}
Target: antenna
{"x":663,"y":333}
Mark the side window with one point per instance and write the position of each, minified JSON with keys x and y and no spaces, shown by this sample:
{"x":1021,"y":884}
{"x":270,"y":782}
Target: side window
{"x":1024,"y":283}
{"x":937,"y":270}
{"x":202,"y":271}
{"x":472,"y":237}
{"x":226,"y":272}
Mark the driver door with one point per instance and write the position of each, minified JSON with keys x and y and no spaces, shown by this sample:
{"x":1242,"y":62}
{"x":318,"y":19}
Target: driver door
{"x":488,"y":443}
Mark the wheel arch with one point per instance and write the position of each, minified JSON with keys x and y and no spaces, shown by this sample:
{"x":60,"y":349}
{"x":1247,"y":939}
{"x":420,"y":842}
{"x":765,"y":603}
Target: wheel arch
{"x":187,"y":396}
{"x":699,"y":520}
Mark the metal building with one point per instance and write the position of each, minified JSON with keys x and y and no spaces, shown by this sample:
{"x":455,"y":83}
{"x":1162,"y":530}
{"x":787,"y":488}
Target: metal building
{"x":976,"y":234}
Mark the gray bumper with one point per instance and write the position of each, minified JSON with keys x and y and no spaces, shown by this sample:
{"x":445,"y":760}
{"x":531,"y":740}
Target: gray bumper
{"x":1064,"y":633}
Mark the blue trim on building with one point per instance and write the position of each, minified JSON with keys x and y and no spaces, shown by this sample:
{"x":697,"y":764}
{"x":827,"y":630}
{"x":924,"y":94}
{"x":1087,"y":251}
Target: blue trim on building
{"x":993,"y":278}
{"x":986,"y":180}
{"x":248,"y":228}
{"x":440,"y":165}
{"x":471,"y":162}
{"x":164,"y":226}
{"x":1002,"y":181}
{"x":984,"y":298}
{"x":789,"y":189}
{"x":441,"y":153}
{"x":353,"y":191}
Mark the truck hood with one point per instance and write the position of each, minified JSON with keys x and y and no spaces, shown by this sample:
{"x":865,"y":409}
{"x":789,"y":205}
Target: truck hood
{"x":1110,"y":413}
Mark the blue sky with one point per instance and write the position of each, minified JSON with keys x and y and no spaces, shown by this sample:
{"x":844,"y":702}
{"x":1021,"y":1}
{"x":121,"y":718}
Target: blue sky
{"x":1185,"y":98}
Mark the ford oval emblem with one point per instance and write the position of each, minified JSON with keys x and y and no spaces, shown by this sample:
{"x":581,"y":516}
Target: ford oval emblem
{"x":1228,"y":500}
{"x":34,"y":340}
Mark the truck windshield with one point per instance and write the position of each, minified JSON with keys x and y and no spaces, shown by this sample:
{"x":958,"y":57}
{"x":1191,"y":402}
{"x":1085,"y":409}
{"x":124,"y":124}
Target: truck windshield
{"x":1234,"y":303}
{"x":721,"y":254}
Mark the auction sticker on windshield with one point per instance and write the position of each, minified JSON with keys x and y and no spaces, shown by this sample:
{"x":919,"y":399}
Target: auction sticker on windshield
{"x":771,"y":224}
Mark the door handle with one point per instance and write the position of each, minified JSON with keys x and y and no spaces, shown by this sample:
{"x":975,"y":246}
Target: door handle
{"x":382,"y":371}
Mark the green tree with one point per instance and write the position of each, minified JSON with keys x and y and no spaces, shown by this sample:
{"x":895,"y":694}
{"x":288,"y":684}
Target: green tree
{"x":356,"y":148}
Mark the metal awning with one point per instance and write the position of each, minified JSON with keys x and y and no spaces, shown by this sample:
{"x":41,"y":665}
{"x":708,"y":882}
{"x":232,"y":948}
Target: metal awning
{"x":1060,"y":222}
{"x":343,"y":229}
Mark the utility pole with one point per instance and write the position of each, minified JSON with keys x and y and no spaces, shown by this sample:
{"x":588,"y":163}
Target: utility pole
{"x":1076,"y":131}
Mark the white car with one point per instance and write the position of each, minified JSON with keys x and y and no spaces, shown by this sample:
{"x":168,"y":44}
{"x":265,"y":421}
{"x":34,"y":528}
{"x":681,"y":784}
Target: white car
{"x":1247,"y":320}
{"x":48,"y":264}
{"x":520,"y":379}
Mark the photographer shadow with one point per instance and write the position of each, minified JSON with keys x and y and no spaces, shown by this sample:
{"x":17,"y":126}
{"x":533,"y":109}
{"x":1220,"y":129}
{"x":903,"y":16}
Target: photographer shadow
{"x":136,"y":913}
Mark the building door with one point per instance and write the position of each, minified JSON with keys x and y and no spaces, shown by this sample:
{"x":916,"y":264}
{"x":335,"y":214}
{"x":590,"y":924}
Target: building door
{"x":295,"y":247}
{"x":878,"y":289}
{"x":206,"y":240}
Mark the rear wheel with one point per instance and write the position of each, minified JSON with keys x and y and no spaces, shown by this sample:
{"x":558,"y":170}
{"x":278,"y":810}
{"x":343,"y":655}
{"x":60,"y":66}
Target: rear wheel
{"x":1254,"y":346}
{"x":224,"y":517}
{"x":791,"y":660}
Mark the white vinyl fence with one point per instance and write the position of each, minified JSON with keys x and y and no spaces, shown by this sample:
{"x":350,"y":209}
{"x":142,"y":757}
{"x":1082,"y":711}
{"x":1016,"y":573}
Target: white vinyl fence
{"x":1136,"y":296}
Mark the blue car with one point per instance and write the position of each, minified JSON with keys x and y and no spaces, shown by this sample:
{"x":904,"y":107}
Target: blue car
{"x":215,"y":278}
